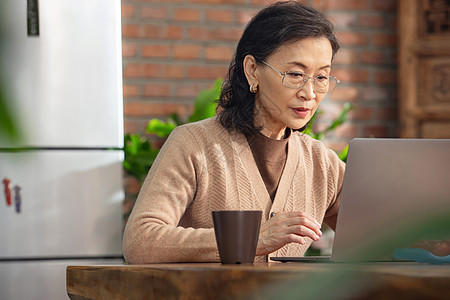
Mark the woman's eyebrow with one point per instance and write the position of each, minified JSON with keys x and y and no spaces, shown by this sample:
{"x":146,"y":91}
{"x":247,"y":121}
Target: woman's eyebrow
{"x":301,"y":65}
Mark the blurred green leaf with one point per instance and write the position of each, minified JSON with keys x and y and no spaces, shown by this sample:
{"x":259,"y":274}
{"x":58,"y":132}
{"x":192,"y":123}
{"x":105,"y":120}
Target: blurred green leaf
{"x":9,"y":123}
{"x":7,"y":126}
{"x":340,"y":119}
{"x":160,"y":128}
{"x":309,"y":128}
{"x":176,"y":119}
{"x":139,"y":156}
{"x":206,"y":102}
{"x":343,"y":154}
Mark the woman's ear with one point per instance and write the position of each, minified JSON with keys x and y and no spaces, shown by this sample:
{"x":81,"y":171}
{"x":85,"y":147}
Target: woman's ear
{"x":250,"y":70}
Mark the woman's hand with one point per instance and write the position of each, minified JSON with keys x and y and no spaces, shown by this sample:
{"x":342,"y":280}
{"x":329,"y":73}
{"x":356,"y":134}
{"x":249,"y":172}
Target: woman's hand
{"x":284,"y":228}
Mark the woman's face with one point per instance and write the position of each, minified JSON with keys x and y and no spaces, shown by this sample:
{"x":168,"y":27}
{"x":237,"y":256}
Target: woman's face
{"x":278,"y":106}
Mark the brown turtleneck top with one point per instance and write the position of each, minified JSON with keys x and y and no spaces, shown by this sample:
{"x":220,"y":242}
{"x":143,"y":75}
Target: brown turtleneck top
{"x":270,"y":157}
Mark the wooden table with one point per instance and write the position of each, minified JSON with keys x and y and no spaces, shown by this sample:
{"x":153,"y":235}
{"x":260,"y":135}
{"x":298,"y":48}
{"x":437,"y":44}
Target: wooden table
{"x":260,"y":281}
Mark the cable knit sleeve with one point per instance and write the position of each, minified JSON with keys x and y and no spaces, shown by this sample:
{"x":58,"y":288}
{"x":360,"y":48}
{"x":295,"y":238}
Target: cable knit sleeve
{"x":152,"y":233}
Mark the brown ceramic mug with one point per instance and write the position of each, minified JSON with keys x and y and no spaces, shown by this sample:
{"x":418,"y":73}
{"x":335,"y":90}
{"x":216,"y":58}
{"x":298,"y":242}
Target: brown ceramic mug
{"x":237,"y":233}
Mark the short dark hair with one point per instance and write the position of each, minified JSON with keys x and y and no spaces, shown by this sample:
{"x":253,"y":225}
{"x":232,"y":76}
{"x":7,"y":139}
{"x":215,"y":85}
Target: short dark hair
{"x":276,"y":25}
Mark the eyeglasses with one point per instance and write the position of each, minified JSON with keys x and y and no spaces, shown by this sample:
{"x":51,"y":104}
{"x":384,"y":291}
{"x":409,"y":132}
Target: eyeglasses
{"x":297,"y":80}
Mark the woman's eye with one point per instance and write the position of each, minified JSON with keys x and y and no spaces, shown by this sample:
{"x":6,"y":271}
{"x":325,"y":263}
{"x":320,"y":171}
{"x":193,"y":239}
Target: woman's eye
{"x":322,"y":78}
{"x":296,"y":75}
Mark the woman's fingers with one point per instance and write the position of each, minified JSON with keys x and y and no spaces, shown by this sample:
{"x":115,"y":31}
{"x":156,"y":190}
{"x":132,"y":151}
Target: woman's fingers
{"x":284,"y":228}
{"x":305,"y":231}
{"x":300,"y":218}
{"x":297,"y":239}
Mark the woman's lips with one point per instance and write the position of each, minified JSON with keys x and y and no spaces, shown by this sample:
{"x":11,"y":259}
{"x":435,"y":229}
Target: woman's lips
{"x":301,"y":111}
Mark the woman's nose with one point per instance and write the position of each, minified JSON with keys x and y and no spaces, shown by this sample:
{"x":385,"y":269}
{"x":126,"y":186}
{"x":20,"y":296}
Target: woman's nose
{"x":307,"y":91}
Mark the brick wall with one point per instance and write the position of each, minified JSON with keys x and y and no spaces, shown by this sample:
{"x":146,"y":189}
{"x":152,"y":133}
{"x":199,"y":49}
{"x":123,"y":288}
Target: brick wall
{"x":173,"y":49}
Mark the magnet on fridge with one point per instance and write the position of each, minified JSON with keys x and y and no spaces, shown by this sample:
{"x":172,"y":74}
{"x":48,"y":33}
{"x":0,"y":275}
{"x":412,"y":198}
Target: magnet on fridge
{"x":7,"y":191}
{"x":17,"y":198}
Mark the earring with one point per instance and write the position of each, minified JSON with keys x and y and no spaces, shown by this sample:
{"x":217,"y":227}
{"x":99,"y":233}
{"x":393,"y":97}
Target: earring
{"x":253,"y":89}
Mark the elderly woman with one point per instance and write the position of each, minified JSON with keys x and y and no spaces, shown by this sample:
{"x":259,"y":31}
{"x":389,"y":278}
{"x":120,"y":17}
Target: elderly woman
{"x":252,"y":155}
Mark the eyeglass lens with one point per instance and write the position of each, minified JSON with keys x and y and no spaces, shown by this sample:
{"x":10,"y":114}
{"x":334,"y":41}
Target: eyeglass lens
{"x":298,"y":80}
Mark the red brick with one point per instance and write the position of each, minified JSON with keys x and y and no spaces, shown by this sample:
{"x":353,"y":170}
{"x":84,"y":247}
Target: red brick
{"x":342,"y":19}
{"x":244,"y":16}
{"x":157,"y":143}
{"x":347,"y":130}
{"x":318,"y":126}
{"x":328,"y":112}
{"x":133,"y":125}
{"x":157,"y":1}
{"x":218,"y":1}
{"x":130,"y":90}
{"x":132,"y":187}
{"x":265,"y":2}
{"x":128,"y":50}
{"x":360,"y":113}
{"x":385,"y":76}
{"x":345,"y":5}
{"x":209,"y":72}
{"x":128,"y":10}
{"x":377,"y":131}
{"x":222,"y":15}
{"x":371,"y":21}
{"x":173,"y":71}
{"x":141,"y":70}
{"x":352,"y":38}
{"x":345,"y":93}
{"x":199,"y":33}
{"x":345,"y":56}
{"x":219,"y":53}
{"x":336,"y":146}
{"x":157,"y":90}
{"x":146,"y":108}
{"x":155,"y":12}
{"x":375,"y":94}
{"x":351,"y":75}
{"x":187,"y":51}
{"x":155,"y":51}
{"x":130,"y":31}
{"x":186,"y":14}
{"x":385,"y":5}
{"x":373,"y":57}
{"x":216,"y":34}
{"x":188,"y":90}
{"x":162,"y":32}
{"x":385,"y":39}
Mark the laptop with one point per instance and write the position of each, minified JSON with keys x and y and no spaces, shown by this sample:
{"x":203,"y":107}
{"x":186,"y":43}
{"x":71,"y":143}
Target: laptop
{"x":395,"y":192}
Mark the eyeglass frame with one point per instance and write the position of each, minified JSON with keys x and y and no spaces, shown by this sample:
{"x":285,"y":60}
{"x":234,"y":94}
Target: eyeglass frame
{"x":305,"y":80}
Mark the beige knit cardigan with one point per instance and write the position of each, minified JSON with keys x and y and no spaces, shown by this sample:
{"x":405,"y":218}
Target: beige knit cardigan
{"x":202,"y":167}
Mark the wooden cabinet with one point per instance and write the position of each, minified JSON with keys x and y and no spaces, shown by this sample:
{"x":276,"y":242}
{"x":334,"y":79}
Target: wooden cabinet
{"x":424,"y":73}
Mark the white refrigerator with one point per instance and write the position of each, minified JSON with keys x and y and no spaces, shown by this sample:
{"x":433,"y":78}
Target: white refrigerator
{"x":61,"y":188}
